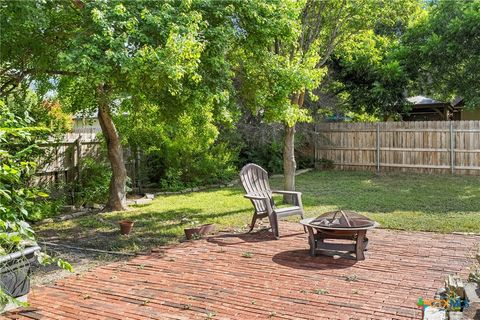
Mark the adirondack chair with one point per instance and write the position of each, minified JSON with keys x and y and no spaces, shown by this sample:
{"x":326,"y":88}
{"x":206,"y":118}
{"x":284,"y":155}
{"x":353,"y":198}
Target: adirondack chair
{"x":255,"y":182}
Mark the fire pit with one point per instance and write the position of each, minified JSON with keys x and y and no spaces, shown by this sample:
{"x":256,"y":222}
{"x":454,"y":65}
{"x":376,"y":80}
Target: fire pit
{"x":347,"y":225}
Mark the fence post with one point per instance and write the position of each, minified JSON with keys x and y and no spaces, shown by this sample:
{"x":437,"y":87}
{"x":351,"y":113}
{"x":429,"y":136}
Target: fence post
{"x":137,"y":170}
{"x":378,"y":148}
{"x":78,"y":144}
{"x":452,"y":148}
{"x":315,"y":137}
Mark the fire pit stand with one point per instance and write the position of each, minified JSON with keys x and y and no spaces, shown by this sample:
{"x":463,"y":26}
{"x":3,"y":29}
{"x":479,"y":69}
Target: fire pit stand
{"x":347,"y":225}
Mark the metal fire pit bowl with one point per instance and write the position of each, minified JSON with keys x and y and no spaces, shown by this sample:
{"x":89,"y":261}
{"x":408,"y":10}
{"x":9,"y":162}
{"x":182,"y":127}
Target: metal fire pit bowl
{"x":342,"y":224}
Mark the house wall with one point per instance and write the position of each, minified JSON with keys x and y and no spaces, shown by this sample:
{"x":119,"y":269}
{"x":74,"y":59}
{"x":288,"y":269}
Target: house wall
{"x":86,"y":125}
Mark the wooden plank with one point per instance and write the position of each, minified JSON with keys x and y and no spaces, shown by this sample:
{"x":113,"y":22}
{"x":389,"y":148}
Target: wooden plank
{"x":466,"y":168}
{"x":403,"y":165}
{"x":378,"y":148}
{"x":78,"y":157}
{"x":373,"y":164}
{"x":398,"y":149}
{"x":467,"y":130}
{"x":368,"y":164}
{"x":452,"y":148}
{"x":392,"y":130}
{"x":61,"y":157}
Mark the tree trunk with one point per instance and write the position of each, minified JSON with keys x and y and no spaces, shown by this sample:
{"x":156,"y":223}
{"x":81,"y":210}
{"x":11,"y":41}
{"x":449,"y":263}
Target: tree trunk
{"x":117,"y":199}
{"x":289,"y":164}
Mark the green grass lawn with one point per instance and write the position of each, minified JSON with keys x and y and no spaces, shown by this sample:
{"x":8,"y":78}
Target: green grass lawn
{"x":398,"y":201}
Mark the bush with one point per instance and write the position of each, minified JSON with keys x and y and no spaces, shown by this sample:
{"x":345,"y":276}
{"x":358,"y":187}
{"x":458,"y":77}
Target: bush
{"x":46,"y":208}
{"x":181,"y":153}
{"x":182,"y":169}
{"x":18,"y":199}
{"x":93,"y":185}
{"x":305,"y":162}
{"x":268,"y":156}
{"x":325,"y":164}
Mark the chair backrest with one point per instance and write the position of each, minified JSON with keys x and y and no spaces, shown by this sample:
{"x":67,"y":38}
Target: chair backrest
{"x":255,"y":181}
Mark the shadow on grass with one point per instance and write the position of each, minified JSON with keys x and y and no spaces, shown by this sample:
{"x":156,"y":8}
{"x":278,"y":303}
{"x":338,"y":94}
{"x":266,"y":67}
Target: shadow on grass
{"x":412,"y":202}
{"x":367,"y":192}
{"x":150,"y":229}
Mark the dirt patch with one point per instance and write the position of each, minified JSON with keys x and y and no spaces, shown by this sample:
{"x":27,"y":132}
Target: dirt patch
{"x":81,"y":261}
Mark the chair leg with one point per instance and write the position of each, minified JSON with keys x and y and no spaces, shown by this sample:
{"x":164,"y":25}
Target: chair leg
{"x":273,"y":219}
{"x":304,"y":228}
{"x":252,"y":225}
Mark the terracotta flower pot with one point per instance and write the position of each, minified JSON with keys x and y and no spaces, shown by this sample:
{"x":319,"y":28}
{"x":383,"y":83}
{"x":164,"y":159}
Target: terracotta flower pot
{"x":199,"y":231}
{"x":191,"y":232}
{"x":207,"y":228}
{"x":126,"y":226}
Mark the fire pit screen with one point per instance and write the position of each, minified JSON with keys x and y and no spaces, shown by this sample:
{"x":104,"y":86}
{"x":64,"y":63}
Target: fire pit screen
{"x":342,"y":219}
{"x":347,"y":225}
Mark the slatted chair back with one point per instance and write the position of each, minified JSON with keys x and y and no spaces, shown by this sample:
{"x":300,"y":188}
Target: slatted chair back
{"x":255,"y":181}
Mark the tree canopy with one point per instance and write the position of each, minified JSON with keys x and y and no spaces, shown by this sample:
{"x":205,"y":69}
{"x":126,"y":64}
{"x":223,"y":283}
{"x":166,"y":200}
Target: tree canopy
{"x":277,"y":79}
{"x":442,"y":51}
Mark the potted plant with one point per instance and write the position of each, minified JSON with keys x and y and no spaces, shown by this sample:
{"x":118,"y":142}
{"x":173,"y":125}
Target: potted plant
{"x":126,"y":226}
{"x":15,"y":276}
{"x":472,"y":290}
{"x":197,"y":231}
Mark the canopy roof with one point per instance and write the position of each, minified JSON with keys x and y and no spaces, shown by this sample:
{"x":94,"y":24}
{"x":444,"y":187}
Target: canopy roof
{"x":421,"y":100}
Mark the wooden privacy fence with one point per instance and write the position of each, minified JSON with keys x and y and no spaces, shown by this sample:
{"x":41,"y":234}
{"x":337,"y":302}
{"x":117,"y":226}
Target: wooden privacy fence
{"x":61,"y":159}
{"x":421,"y":146}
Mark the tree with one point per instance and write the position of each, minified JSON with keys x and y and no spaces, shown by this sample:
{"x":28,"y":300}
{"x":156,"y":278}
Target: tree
{"x":294,"y":62}
{"x":367,"y":72}
{"x":442,"y":51}
{"x":186,"y":143}
{"x":177,"y":59}
{"x":103,"y":56}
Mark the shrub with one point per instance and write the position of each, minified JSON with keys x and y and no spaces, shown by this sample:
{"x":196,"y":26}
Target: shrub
{"x":46,"y":208}
{"x":268,"y":156}
{"x":182,"y":153}
{"x":18,"y":199}
{"x":305,"y":162}
{"x":189,"y":169}
{"x":325,"y":163}
{"x":92,"y":187}
{"x":262,"y":143}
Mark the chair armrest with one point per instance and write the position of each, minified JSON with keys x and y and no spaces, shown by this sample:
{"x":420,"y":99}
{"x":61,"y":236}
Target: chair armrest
{"x":255,"y":197}
{"x":265,"y":200}
{"x":287,"y":192}
{"x":297,"y":196}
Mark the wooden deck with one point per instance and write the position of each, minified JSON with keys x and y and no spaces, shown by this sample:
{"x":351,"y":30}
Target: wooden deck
{"x":255,"y":277}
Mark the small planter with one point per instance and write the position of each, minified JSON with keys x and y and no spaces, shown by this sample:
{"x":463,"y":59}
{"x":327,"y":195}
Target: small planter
{"x":15,"y":274}
{"x":126,"y":226}
{"x":466,"y":305}
{"x":472,"y":293}
{"x":199,"y":231}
